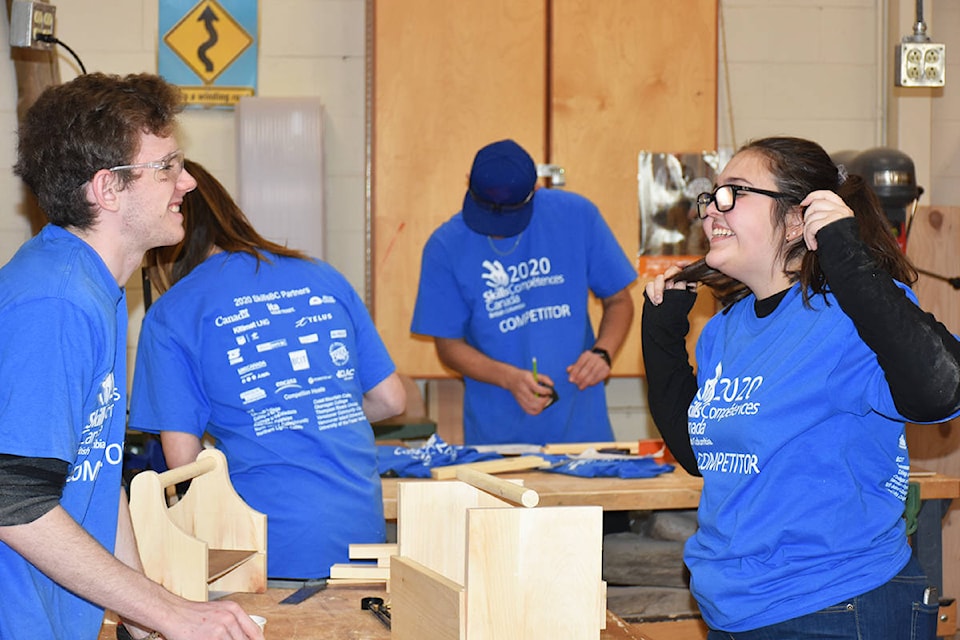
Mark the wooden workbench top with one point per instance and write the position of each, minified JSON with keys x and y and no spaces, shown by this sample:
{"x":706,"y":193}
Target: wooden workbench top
{"x":335,"y":614}
{"x":674,"y":490}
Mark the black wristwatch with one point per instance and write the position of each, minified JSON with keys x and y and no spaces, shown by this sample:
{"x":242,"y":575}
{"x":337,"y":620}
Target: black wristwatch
{"x":123,"y":634}
{"x":603,"y":353}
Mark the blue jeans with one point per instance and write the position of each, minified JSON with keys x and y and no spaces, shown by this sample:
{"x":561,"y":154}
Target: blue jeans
{"x":893,"y":611}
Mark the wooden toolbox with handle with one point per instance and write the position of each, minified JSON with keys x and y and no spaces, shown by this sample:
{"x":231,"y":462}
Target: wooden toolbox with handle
{"x":210,"y":540}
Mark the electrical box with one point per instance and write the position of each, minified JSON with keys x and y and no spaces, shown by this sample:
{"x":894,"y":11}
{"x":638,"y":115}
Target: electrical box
{"x":920,"y":64}
{"x":30,"y":19}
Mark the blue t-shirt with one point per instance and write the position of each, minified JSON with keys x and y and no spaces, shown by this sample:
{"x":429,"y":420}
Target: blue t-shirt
{"x":525,"y":297}
{"x":272,"y":362}
{"x":804,"y":461}
{"x":63,"y":363}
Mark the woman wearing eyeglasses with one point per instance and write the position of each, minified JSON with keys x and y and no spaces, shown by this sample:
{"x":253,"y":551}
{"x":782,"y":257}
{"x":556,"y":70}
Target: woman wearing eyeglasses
{"x":795,"y":417}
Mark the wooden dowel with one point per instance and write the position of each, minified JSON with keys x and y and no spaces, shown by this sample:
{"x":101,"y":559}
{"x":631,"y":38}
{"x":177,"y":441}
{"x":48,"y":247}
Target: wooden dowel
{"x":502,"y":465}
{"x":499,"y":487}
{"x":187,"y":471}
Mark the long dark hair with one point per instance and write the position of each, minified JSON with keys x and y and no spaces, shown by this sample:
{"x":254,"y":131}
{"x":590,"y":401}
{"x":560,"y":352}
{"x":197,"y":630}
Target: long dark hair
{"x":211,"y":219}
{"x":799,"y":167}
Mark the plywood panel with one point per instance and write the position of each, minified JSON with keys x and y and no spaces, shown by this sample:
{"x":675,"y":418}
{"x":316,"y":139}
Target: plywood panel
{"x":426,"y":508}
{"x":614,"y":78}
{"x":424,"y":604}
{"x":933,"y":246}
{"x":449,"y":77}
{"x":636,"y":75}
{"x":521,"y":583}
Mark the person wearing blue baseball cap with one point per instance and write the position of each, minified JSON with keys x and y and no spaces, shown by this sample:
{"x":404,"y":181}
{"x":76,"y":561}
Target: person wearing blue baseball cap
{"x":504,"y":287}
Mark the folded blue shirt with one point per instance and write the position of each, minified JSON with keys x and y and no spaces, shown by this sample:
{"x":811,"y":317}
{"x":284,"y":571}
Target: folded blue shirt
{"x":416,"y":463}
{"x":607,"y":467}
{"x":405,"y":462}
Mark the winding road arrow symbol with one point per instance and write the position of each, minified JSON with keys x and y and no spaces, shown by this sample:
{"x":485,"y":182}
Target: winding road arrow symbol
{"x":208,"y":17}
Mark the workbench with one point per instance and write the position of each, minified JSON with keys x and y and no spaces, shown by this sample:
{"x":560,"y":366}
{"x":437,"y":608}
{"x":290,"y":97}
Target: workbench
{"x":674,"y":490}
{"x":335,"y":614}
{"x":680,"y":490}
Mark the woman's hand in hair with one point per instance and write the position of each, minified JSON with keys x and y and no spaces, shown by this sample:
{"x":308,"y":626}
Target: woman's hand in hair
{"x":655,"y":288}
{"x":820,"y":209}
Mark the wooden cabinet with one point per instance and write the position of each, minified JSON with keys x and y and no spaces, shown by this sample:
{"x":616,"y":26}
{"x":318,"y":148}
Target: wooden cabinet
{"x":583,"y":84}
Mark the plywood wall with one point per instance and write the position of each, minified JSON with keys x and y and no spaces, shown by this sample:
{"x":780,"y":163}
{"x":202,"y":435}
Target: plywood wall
{"x":933,"y":245}
{"x":582,"y":84}
{"x":629,"y":76}
{"x":449,"y":77}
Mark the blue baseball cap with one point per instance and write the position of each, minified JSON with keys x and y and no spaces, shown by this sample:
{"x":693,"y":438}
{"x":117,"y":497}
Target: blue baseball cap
{"x":499,"y":201}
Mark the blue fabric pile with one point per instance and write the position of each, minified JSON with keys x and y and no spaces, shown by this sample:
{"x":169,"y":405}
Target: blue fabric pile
{"x":615,"y":467}
{"x":416,"y":463}
{"x":405,"y":462}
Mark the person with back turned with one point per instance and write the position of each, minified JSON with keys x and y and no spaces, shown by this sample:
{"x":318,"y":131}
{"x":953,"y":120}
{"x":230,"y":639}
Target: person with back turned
{"x":272,"y":355}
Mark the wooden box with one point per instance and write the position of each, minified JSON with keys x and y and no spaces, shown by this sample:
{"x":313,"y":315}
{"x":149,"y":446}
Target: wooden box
{"x":472,"y":566}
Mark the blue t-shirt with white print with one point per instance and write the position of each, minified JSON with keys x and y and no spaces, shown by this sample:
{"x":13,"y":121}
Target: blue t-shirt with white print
{"x":272,"y":361}
{"x":804,"y":461}
{"x":524,"y":297}
{"x":63,"y":365}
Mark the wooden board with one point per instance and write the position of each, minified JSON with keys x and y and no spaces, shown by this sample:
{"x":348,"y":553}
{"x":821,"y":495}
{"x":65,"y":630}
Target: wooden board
{"x":515,"y":585}
{"x":933,"y":245}
{"x":613,"y":79}
{"x":674,"y":490}
{"x":503,"y":465}
{"x":356,"y":571}
{"x":576,"y":448}
{"x":425,"y":604}
{"x":630,"y":76}
{"x":425,"y":509}
{"x":372,"y":551}
{"x":448,"y":78}
{"x":221,"y":561}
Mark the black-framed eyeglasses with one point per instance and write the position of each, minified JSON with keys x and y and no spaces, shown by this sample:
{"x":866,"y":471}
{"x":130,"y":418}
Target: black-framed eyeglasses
{"x":725,"y":197}
{"x":499,"y":208}
{"x":169,"y":167}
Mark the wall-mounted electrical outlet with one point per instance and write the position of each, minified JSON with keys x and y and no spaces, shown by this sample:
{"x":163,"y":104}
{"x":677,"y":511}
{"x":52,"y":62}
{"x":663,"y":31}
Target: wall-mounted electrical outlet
{"x":30,"y":19}
{"x":554,"y":172}
{"x":921,"y":64}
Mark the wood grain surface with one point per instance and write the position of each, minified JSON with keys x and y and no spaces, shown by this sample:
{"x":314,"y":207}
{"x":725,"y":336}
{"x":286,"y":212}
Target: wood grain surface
{"x":335,"y":614}
{"x":933,"y":245}
{"x":674,"y":490}
{"x":581,"y":84}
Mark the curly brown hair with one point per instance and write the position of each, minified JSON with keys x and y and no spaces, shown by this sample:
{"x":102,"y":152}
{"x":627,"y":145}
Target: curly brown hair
{"x":91,"y":123}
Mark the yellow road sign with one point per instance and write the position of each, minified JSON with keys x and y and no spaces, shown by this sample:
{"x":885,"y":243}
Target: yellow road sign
{"x":208,"y":40}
